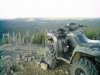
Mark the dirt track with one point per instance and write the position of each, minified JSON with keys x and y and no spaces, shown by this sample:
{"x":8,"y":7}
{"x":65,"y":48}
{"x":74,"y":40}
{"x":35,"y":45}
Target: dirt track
{"x":31,"y":67}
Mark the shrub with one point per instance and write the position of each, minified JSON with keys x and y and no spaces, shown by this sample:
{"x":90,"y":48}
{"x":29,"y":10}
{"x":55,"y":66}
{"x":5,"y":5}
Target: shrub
{"x":93,"y":33}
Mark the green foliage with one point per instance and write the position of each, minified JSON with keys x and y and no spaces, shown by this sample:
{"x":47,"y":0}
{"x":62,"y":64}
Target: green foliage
{"x":93,"y":33}
{"x":26,"y":37}
{"x":5,"y":40}
{"x":39,"y":38}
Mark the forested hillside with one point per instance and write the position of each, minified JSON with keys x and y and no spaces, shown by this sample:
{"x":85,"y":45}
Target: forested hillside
{"x":38,"y":27}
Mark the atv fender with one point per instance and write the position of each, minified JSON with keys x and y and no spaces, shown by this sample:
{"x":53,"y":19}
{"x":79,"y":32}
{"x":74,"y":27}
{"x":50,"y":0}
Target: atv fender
{"x":78,"y":51}
{"x":52,"y":36}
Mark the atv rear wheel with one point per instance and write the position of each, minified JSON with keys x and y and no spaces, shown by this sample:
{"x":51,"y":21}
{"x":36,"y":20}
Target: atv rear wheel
{"x":83,"y":67}
{"x":51,"y":56}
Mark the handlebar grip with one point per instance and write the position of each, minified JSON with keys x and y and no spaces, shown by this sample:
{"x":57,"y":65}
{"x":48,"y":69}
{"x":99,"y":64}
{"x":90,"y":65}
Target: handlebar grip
{"x":81,"y":25}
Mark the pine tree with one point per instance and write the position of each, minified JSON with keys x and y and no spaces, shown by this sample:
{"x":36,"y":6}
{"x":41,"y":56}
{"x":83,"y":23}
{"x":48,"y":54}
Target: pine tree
{"x":19,"y":38}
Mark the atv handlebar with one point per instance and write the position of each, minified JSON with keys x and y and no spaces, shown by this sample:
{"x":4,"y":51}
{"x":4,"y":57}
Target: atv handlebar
{"x":81,"y":25}
{"x":74,"y":26}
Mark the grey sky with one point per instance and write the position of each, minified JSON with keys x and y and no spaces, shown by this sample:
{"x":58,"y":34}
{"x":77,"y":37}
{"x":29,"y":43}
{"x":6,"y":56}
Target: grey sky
{"x":49,"y":8}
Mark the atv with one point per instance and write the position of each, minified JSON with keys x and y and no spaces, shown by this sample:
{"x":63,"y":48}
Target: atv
{"x":73,"y":47}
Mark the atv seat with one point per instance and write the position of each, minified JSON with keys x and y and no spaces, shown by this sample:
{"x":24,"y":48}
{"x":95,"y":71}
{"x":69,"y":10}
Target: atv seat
{"x":61,"y":33}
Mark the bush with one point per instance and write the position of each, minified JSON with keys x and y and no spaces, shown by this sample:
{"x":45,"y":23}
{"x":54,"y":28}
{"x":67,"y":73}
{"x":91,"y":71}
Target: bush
{"x":93,"y":33}
{"x":38,"y":38}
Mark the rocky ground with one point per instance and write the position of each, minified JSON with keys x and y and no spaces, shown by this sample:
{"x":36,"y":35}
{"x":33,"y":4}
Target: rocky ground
{"x":25,"y":60}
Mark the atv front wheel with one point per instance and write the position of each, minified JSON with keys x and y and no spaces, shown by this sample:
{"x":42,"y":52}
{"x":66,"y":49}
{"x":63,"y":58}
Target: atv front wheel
{"x":51,"y":56}
{"x":83,"y":67}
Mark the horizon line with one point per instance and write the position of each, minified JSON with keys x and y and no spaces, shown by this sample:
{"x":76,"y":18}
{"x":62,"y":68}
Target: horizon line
{"x":49,"y":18}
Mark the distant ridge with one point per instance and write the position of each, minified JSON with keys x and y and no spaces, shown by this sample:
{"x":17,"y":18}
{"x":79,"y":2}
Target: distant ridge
{"x":35,"y":24}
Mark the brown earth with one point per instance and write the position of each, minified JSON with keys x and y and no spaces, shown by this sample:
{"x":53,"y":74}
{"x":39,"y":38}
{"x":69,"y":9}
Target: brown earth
{"x":31,"y":67}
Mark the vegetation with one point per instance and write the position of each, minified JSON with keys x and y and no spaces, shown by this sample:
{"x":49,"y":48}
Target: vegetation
{"x":93,"y":33}
{"x":40,"y":37}
{"x":24,"y":38}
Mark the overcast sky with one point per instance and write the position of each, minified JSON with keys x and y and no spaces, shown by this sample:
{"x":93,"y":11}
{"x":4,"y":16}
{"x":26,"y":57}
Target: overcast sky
{"x":49,"y":8}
